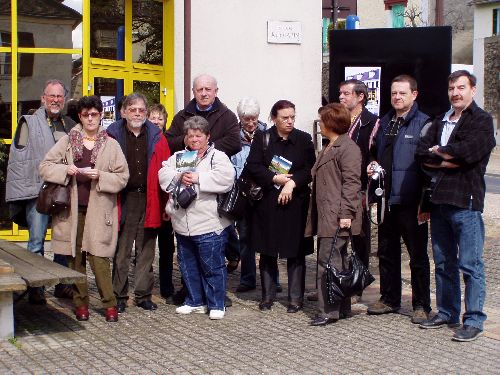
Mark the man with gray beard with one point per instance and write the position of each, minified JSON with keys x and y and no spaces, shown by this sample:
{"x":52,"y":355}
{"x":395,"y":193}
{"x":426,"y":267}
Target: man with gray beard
{"x":145,"y":148}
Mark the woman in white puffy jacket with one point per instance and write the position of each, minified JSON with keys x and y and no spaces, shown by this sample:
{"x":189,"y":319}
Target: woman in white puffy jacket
{"x":200,"y":231}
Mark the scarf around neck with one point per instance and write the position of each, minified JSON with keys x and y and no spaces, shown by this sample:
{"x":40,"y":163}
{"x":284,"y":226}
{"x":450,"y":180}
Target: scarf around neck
{"x":76,"y":142}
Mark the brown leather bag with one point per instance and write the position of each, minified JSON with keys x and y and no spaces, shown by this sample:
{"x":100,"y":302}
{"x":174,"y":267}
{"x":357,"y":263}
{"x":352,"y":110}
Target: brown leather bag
{"x":53,"y":198}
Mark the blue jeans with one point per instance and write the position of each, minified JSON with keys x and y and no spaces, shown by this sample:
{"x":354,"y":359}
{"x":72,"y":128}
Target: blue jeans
{"x":457,"y":244}
{"x":203,"y":268}
{"x":37,"y":228}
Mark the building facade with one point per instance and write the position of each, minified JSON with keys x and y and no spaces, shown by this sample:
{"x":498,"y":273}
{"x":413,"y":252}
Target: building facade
{"x":111,"y":48}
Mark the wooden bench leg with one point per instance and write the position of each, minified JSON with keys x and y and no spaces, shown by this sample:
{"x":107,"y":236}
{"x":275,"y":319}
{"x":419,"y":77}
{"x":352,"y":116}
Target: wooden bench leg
{"x":6,"y":315}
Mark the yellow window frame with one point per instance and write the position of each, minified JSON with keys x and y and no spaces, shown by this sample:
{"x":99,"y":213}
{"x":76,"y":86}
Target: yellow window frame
{"x":92,"y":67}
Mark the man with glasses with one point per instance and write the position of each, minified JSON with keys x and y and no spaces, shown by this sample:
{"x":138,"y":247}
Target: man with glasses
{"x":145,"y":148}
{"x":394,"y":149}
{"x":35,"y":135}
{"x":353,"y":94}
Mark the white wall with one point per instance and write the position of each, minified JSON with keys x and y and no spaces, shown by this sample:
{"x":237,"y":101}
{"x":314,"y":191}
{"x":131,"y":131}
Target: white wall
{"x":482,"y":29}
{"x":229,"y":41}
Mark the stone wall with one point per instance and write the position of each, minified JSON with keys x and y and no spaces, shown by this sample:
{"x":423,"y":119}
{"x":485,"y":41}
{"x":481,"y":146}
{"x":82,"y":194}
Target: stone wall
{"x":491,"y":78}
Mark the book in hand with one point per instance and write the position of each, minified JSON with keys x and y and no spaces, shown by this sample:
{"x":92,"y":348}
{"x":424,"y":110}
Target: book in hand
{"x":280,"y":165}
{"x":186,"y":161}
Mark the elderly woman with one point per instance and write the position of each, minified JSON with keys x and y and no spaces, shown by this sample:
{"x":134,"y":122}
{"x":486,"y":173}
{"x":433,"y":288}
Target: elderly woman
{"x":200,"y":231}
{"x":248,"y":110}
{"x":279,"y":218}
{"x":157,"y":114}
{"x":97,"y":170}
{"x":335,"y":203}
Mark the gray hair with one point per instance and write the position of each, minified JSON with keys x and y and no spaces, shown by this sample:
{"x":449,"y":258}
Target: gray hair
{"x":196,"y":123}
{"x":132,"y":98}
{"x":248,"y":107}
{"x":55,"y":82}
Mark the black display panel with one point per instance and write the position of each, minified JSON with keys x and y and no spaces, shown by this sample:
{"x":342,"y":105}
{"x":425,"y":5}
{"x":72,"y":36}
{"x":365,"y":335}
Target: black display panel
{"x":422,"y":52}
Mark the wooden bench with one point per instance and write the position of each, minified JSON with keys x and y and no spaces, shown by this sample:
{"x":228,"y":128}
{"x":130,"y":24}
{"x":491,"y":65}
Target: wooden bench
{"x":21,"y":269}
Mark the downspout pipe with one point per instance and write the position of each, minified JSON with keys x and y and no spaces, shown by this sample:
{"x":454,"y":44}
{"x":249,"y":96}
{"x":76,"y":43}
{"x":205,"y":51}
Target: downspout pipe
{"x":187,"y":51}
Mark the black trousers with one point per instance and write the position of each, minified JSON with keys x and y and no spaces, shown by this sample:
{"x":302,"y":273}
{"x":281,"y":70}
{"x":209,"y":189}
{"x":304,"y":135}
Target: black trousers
{"x":362,"y":241}
{"x":296,"y":270}
{"x":401,"y":221}
{"x":166,"y":249}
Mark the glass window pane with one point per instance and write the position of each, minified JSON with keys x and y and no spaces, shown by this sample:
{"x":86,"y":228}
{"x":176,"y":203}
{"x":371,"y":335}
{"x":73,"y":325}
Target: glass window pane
{"x":5,"y":96}
{"x":147,"y":32}
{"x":151,"y":90}
{"x":47,"y":24}
{"x":35,"y":70}
{"x":107,"y":25}
{"x":110,"y":90}
{"x":4,"y":18}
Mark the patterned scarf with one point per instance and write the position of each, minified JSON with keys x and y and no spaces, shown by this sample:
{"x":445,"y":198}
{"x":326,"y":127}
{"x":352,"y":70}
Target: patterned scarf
{"x":248,"y":136}
{"x":76,"y":142}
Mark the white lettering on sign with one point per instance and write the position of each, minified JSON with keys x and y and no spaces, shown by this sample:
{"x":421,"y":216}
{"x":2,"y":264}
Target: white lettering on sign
{"x":284,"y":32}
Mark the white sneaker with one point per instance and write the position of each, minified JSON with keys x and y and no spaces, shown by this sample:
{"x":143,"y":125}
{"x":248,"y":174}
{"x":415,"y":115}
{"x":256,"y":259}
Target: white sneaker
{"x":216,"y":314}
{"x":186,"y":309}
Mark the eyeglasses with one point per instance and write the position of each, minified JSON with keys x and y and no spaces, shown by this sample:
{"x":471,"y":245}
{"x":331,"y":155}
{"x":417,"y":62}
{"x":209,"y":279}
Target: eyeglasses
{"x":137,"y":110}
{"x":91,"y":114}
{"x":52,"y":96}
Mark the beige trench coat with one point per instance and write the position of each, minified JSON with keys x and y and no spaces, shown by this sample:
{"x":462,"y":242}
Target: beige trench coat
{"x":102,"y":222}
{"x":336,"y":189}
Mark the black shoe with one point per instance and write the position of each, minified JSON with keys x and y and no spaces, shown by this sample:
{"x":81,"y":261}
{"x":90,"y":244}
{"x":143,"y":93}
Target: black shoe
{"x":244,"y":288}
{"x":169,"y":300}
{"x":227,"y":301}
{"x":36,"y":296}
{"x":313,"y":296}
{"x":379,"y":308}
{"x":147,"y":305}
{"x":322,"y":321}
{"x":437,"y":322}
{"x":63,"y":291}
{"x":467,"y":333}
{"x":279,"y":288}
{"x":345,"y":315}
{"x":292,"y":309}
{"x":265,"y":305}
{"x":121,"y":306}
{"x":180,"y":296}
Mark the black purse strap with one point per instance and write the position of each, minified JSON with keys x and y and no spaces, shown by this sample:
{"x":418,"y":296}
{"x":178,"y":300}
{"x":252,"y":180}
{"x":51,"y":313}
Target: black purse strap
{"x":334,"y":241}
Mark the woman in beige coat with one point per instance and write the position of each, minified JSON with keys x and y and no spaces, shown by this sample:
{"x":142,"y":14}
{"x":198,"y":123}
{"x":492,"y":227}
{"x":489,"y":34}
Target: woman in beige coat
{"x":335,"y":203}
{"x":97,"y":170}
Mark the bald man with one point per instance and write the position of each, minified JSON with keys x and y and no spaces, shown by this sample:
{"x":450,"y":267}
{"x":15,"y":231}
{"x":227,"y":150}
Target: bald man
{"x":224,"y":128}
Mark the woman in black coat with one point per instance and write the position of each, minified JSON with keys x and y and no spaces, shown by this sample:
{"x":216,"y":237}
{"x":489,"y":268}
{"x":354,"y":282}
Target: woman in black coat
{"x":279,"y":218}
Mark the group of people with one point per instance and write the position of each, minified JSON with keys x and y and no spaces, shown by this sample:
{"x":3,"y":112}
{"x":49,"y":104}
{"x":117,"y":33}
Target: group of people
{"x":128,"y":181}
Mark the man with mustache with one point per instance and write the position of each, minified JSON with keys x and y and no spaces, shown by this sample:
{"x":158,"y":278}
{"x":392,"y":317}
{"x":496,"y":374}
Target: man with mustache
{"x":457,"y":148}
{"x":35,"y":136}
{"x":145,"y":148}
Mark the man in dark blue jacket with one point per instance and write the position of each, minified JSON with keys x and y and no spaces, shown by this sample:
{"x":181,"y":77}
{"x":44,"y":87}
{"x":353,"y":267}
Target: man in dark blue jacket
{"x":457,"y":147}
{"x":394,"y":150}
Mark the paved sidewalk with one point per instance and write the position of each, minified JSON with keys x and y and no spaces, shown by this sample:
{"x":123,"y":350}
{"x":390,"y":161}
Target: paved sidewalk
{"x":247,"y":341}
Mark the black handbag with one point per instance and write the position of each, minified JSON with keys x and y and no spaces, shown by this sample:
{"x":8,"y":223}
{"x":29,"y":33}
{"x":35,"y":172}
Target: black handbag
{"x":232,"y":204}
{"x":184,"y":197}
{"x":53,"y":198}
{"x":250,"y":189}
{"x":350,"y":281}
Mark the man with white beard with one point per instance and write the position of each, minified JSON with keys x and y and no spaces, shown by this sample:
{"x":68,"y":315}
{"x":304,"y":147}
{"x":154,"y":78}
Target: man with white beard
{"x":145,"y":148}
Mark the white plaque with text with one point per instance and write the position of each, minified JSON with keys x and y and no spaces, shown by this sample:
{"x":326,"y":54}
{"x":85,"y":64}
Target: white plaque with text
{"x":284,"y":32}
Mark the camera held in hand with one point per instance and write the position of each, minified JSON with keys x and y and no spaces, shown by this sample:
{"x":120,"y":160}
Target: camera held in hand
{"x":377,"y":171}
